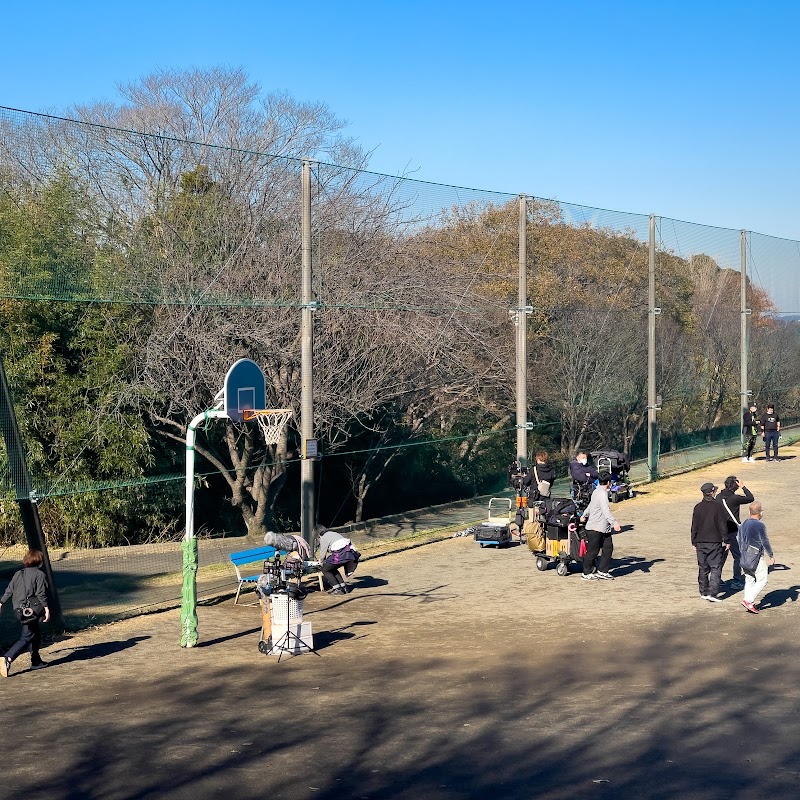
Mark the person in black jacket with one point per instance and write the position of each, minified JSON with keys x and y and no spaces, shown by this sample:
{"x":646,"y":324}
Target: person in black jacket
{"x":731,"y":501}
{"x":27,"y":583}
{"x":770,"y":432}
{"x":540,"y":473}
{"x":709,"y":539}
{"x":750,"y":428}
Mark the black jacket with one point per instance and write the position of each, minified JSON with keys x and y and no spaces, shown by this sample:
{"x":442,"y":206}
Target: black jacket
{"x":735,"y":502}
{"x":750,"y":424}
{"x":544,"y":471}
{"x":27,"y":582}
{"x":708,"y":522}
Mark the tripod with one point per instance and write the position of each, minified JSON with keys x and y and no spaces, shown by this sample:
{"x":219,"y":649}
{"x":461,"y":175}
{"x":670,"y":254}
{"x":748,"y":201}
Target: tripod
{"x":289,"y":640}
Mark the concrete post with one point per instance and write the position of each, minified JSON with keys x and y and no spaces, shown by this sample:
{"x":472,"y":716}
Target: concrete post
{"x":306,"y":366}
{"x":652,"y":424}
{"x":522,"y":335}
{"x":744,"y":344}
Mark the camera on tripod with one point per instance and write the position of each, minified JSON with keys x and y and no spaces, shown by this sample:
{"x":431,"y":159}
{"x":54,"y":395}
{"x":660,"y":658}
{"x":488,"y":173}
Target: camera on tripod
{"x":516,"y":477}
{"x":281,"y":575}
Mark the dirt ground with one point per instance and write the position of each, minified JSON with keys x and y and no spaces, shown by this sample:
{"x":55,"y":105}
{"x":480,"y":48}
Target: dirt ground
{"x":451,"y":671}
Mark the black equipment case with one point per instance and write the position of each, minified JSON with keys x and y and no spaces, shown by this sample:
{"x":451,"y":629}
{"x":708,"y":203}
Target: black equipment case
{"x":489,"y":533}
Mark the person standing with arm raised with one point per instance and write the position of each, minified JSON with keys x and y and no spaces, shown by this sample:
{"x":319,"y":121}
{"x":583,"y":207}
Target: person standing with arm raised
{"x":731,"y":501}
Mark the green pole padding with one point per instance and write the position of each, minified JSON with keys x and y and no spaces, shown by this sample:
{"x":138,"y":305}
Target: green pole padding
{"x":189,"y":594}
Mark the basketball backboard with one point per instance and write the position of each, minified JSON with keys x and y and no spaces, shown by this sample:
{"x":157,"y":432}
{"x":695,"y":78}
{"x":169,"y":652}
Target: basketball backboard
{"x":245,"y":388}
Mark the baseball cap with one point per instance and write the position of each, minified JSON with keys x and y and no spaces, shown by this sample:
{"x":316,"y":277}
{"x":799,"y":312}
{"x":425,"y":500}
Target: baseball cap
{"x":707,"y":488}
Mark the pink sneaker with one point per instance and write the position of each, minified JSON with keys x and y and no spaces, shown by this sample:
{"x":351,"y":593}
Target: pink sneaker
{"x":750,"y":607}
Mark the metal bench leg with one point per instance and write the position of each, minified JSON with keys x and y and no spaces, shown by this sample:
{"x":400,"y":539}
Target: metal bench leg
{"x":238,"y":591}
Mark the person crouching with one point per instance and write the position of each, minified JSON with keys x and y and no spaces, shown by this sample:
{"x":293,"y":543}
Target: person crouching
{"x":336,"y":552}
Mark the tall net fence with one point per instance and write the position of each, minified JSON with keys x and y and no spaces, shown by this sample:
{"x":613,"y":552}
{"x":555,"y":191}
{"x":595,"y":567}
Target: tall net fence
{"x":135,"y":268}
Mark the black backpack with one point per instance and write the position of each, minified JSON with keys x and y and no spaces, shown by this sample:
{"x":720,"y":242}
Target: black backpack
{"x":561,"y":511}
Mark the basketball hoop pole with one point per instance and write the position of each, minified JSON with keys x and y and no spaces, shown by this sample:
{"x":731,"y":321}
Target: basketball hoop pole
{"x":189,"y":546}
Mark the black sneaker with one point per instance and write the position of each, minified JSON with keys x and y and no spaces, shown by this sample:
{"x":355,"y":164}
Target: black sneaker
{"x":39,"y":665}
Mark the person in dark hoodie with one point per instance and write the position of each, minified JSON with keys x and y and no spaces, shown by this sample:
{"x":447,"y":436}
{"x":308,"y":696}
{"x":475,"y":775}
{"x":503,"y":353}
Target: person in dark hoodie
{"x":731,"y":501}
{"x":538,"y":475}
{"x":751,"y":425}
{"x":709,"y":537}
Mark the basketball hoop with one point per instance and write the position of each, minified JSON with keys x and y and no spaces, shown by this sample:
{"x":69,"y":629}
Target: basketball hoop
{"x":272,"y":421}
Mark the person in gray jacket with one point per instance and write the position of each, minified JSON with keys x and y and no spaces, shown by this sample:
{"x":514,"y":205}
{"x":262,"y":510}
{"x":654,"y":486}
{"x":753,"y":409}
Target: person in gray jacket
{"x":27,"y":583}
{"x":335,"y":553}
{"x":600,"y":523}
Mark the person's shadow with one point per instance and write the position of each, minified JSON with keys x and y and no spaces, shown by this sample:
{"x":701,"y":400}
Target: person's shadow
{"x":777,"y":597}
{"x":631,"y":564}
{"x":99,"y":650}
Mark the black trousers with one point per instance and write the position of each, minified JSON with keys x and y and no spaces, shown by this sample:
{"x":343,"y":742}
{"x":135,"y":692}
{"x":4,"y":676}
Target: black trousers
{"x":331,"y":575}
{"x":30,"y":639}
{"x":736,"y":554}
{"x":710,"y":556}
{"x":595,"y":541}
{"x":749,"y":444}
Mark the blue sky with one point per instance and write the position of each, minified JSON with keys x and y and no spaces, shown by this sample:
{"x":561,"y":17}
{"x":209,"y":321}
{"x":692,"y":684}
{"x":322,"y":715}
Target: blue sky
{"x":687,"y":110}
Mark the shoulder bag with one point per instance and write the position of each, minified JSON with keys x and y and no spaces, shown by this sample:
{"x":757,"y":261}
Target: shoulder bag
{"x":30,"y":609}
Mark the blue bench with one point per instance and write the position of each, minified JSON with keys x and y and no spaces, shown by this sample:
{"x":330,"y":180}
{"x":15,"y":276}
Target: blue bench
{"x":243,"y":558}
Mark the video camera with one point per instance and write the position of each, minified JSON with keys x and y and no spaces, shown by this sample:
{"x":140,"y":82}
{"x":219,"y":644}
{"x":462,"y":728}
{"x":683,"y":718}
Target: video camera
{"x":516,"y":477}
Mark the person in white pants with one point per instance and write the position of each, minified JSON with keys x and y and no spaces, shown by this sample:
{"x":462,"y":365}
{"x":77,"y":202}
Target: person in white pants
{"x":753,"y":541}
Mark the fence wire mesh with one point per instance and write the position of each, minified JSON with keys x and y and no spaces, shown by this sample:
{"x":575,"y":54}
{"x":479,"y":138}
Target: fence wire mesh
{"x":136,"y":267}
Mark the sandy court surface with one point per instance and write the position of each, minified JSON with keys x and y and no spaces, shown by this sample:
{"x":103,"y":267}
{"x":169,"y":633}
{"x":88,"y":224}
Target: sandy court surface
{"x":451,"y":671}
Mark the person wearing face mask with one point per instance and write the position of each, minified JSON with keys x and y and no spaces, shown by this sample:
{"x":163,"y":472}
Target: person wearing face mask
{"x":583,"y":476}
{"x":580,"y":470}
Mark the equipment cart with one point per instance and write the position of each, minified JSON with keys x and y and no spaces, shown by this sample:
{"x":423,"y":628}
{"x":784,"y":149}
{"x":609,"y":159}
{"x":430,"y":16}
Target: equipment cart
{"x":561,"y":537}
{"x":617,"y":465}
{"x":496,"y":531}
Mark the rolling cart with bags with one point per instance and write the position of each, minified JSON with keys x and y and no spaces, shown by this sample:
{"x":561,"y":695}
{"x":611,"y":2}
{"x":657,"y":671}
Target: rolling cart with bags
{"x":559,"y":533}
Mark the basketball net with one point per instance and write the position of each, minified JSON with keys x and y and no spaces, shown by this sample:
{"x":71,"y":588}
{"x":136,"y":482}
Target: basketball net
{"x":272,"y":421}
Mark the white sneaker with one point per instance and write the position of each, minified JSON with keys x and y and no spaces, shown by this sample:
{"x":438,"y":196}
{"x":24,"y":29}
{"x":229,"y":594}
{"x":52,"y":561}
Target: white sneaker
{"x":713,"y":599}
{"x":744,"y":459}
{"x":751,"y":459}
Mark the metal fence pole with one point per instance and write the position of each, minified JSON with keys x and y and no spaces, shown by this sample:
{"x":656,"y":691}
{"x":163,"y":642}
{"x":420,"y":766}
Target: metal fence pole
{"x":26,"y":497}
{"x":522,"y":335}
{"x":744,"y":343}
{"x":652,"y":311}
{"x":306,"y":367}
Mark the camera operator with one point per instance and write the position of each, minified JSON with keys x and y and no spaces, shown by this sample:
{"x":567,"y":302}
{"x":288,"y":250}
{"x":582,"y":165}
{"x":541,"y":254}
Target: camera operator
{"x":540,"y":477}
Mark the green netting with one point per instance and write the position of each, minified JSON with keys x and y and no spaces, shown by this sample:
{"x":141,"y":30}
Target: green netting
{"x":136,"y":266}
